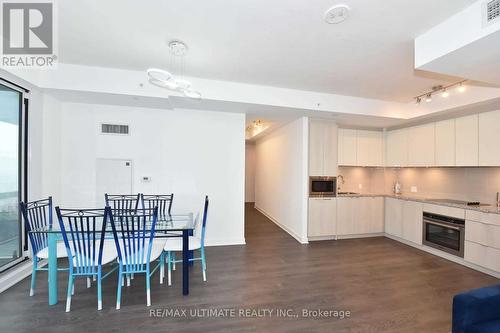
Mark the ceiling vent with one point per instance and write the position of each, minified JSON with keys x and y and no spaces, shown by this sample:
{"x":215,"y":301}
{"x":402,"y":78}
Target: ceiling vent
{"x":492,"y":11}
{"x":114,"y":129}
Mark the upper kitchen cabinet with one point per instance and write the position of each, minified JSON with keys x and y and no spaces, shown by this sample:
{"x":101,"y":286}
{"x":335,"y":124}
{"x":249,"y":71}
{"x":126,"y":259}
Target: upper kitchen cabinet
{"x":360,"y":147}
{"x":397,"y":147}
{"x":466,"y":141}
{"x":322,"y":148}
{"x":421,"y":145}
{"x":489,"y":138}
{"x":445,"y":143}
{"x":370,"y":147}
{"x":347,"y":146}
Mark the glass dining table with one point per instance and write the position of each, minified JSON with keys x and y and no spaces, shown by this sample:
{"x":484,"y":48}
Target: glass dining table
{"x":174,"y":225}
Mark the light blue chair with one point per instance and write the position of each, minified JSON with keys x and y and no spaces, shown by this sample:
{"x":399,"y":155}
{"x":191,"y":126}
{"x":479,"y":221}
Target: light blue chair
{"x":137,"y":247}
{"x":195,"y":242}
{"x":38,"y":216}
{"x":84,"y":234}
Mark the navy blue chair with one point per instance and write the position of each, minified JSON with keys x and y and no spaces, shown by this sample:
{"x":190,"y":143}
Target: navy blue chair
{"x":477,"y":311}
{"x":134,"y":235}
{"x":84,"y":234}
{"x":38,"y":216}
{"x":122,"y":203}
{"x":162,"y":201}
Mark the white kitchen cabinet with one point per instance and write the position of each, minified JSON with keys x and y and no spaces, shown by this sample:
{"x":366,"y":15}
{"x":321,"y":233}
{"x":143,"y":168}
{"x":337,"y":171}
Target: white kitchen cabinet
{"x":397,"y":148}
{"x":369,"y":148}
{"x":489,"y":138}
{"x":347,"y":146}
{"x":475,"y":253}
{"x":466,"y":141}
{"x":394,"y":217}
{"x":316,"y":148}
{"x":322,"y":148}
{"x":412,"y":221}
{"x":421,"y":145}
{"x":345,"y":216}
{"x":445,"y":143}
{"x":322,"y":217}
{"x":360,"y":215}
{"x":482,"y":255}
{"x":376,"y":214}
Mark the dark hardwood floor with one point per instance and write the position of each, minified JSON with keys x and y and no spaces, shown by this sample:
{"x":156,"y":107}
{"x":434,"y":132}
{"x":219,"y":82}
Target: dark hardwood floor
{"x":386,"y":286}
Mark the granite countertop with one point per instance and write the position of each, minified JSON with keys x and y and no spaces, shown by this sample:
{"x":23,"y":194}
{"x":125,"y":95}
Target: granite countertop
{"x":491,"y":209}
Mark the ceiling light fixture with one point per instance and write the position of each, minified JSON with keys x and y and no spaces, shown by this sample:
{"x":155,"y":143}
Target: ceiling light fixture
{"x":337,"y":14}
{"x":164,"y":79}
{"x":443,"y":89}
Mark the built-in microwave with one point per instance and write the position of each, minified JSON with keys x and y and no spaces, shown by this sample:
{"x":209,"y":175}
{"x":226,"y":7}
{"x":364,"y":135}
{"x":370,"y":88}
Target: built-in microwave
{"x":322,"y":186}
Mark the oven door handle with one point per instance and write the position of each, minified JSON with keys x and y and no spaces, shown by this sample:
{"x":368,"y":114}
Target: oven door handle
{"x":442,"y":225}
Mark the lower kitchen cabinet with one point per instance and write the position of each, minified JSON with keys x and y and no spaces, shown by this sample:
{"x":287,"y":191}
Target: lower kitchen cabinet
{"x":394,"y":217}
{"x":359,"y":215}
{"x":322,"y":217}
{"x":482,"y":255}
{"x":403,"y":219}
{"x":412,"y":221}
{"x":482,"y":240}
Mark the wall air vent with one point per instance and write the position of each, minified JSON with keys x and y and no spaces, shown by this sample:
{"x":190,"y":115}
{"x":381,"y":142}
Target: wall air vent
{"x":114,"y":129}
{"x":492,"y":11}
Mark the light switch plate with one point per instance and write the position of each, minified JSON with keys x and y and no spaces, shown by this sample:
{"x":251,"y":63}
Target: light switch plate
{"x":413,"y":189}
{"x":360,"y":186}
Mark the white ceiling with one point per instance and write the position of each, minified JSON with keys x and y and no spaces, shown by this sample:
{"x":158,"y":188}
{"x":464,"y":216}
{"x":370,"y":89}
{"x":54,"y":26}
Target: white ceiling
{"x":281,"y":43}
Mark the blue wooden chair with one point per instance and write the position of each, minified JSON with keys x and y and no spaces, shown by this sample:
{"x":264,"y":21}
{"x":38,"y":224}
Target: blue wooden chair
{"x":38,"y":216}
{"x":162,"y":201}
{"x":84,"y":234}
{"x":134,"y":235}
{"x":195,"y":242}
{"x":122,"y":203}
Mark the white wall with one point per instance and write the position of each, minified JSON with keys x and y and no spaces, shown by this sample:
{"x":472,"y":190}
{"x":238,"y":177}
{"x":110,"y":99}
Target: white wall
{"x":281,"y":179}
{"x":250,"y":172}
{"x":190,"y":153}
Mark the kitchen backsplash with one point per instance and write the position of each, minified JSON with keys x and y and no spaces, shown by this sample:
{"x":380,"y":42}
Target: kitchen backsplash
{"x":473,"y":184}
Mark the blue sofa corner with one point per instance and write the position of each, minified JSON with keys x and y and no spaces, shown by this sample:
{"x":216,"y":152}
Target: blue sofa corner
{"x":477,"y":311}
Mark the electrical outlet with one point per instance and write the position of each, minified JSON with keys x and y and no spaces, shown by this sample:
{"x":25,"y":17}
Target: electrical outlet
{"x":360,"y":186}
{"x":413,"y":189}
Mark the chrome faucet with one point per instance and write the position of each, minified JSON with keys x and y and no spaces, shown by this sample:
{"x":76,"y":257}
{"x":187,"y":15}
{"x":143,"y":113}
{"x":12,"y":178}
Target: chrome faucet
{"x":340,"y":178}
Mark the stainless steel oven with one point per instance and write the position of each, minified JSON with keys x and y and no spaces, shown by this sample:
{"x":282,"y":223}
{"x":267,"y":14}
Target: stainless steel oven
{"x":445,"y":233}
{"x":321,"y":186}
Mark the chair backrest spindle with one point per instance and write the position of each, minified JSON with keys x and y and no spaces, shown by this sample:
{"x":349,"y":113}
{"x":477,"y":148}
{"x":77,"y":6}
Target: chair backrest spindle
{"x":37,"y":216}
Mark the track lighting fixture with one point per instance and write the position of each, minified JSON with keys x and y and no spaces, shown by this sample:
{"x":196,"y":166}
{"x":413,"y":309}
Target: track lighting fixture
{"x":444,"y":90}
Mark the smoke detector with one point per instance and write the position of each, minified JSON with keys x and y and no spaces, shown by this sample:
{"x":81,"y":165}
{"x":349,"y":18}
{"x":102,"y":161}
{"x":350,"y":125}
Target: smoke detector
{"x":337,"y":14}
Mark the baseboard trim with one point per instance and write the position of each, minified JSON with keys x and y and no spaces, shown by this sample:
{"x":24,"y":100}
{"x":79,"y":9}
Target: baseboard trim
{"x":225,"y":242}
{"x":320,"y":238}
{"x":445,"y":255}
{"x":285,"y":228}
{"x":17,"y":274}
{"x":376,"y":234}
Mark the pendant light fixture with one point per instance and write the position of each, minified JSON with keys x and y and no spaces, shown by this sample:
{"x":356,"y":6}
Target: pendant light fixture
{"x":167,"y":80}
